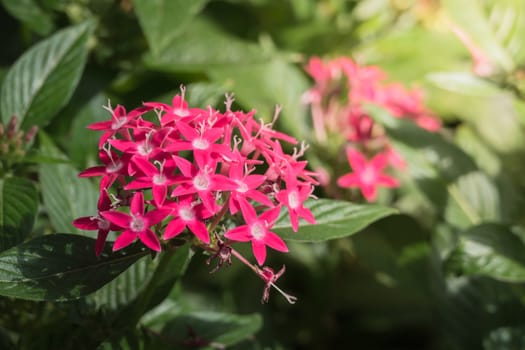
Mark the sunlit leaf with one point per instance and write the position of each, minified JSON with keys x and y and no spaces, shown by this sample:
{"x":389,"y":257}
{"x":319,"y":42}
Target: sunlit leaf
{"x":490,"y":250}
{"x":42,"y":80}
{"x":334,"y":219}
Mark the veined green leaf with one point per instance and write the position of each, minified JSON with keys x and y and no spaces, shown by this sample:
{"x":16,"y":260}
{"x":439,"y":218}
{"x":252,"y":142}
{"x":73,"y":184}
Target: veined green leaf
{"x":334,"y":219}
{"x":44,"y":78}
{"x":65,"y":195}
{"x":18,"y":207}
{"x":491,"y":250}
{"x":61,"y":267}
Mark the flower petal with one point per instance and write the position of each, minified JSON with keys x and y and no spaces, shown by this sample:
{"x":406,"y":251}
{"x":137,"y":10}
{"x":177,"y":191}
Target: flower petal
{"x":137,"y":204}
{"x":259,"y":251}
{"x":240,"y":234}
{"x":116,"y":217}
{"x":150,"y":240}
{"x":200,"y":230}
{"x":348,"y":180}
{"x":174,"y":228}
{"x":124,"y":239}
{"x":86,"y":223}
{"x":101,"y":241}
{"x":356,"y":159}
{"x":275,"y":242}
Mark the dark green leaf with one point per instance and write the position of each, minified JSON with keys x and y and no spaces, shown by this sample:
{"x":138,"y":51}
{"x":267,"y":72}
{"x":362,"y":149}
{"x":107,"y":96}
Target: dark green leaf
{"x":18,"y":207}
{"x":163,"y":20}
{"x":65,"y":195}
{"x":61,"y":267}
{"x":128,"y":289}
{"x":30,"y":13}
{"x":219,"y":328}
{"x":490,"y":250}
{"x":334,"y":219}
{"x":43,"y":79}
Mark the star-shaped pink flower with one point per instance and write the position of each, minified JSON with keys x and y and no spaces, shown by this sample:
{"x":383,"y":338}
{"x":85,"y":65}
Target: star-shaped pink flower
{"x":257,"y":230}
{"x":137,"y":223}
{"x":366,"y":175}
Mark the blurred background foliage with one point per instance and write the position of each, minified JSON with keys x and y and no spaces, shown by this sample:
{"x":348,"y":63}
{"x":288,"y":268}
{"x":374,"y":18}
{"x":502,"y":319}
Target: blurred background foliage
{"x":446,"y":273}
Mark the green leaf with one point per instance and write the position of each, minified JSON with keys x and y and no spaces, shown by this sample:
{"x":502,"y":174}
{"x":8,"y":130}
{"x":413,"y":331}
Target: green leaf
{"x":476,"y":199}
{"x":18,"y":208}
{"x":61,"y":267}
{"x":30,"y":13}
{"x":278,"y":83}
{"x":204,"y":45}
{"x":452,"y":91}
{"x":334,"y":219}
{"x":83,"y":149}
{"x":490,"y":250}
{"x":404,"y":53}
{"x":41,"y":82}
{"x":163,"y":20}
{"x":220,"y":328}
{"x":125,"y":293}
{"x":65,"y":195}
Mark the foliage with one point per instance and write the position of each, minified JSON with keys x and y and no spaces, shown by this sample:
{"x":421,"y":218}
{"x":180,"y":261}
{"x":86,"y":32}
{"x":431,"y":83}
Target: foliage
{"x":425,"y":98}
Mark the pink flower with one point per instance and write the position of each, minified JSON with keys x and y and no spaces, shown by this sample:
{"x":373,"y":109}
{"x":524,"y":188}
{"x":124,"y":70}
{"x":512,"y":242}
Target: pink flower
{"x":188,"y":214}
{"x":120,"y":120}
{"x":257,"y":230}
{"x":136,"y":223}
{"x":204,"y":182}
{"x":156,"y":179}
{"x":366,"y":175}
{"x":294,"y":197}
{"x":91,"y":223}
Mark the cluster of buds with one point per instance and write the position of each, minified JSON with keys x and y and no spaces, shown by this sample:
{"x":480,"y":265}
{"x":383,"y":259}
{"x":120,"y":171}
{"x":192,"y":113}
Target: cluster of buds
{"x":14,"y":143}
{"x":215,"y":178}
{"x":342,"y":89}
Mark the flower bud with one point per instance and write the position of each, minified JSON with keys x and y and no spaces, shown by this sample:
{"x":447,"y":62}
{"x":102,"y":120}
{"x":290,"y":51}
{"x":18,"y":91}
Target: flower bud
{"x":12,"y":126}
{"x":30,"y":135}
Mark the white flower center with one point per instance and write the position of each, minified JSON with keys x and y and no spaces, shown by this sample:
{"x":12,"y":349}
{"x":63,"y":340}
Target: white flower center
{"x":181,"y":112}
{"x":293,"y":199}
{"x":159,"y":179}
{"x":137,"y":224}
{"x":186,"y":213}
{"x":113,"y":167}
{"x":118,"y":123}
{"x":200,"y":143}
{"x":201,"y":182}
{"x":258,"y":231}
{"x":242,"y":187}
{"x":368,"y":176}
{"x":144,"y":148}
{"x":103,"y":224}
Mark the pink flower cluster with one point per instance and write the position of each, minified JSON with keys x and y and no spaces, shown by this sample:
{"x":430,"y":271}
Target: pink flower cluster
{"x":342,"y":89}
{"x":167,"y":169}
